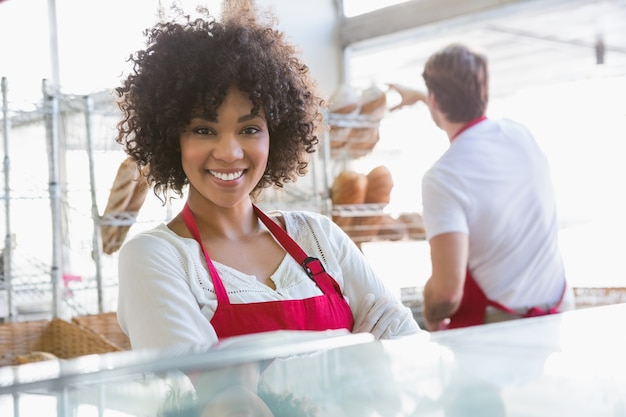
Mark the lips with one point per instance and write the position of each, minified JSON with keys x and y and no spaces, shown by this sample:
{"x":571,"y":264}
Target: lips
{"x":227,"y":176}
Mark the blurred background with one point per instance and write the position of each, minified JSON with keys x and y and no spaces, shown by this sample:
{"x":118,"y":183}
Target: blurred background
{"x":557,"y":66}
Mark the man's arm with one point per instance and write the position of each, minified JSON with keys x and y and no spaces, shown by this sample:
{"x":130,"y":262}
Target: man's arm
{"x":444,"y":289}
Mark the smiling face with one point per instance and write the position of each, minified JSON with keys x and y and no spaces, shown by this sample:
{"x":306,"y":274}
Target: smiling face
{"x":224,"y":159}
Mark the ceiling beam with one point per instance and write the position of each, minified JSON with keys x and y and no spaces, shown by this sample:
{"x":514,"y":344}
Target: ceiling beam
{"x":409,"y":15}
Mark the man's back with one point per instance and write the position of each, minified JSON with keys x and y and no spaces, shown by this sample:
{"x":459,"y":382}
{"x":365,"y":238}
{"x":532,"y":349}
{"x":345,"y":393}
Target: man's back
{"x":494,"y":184}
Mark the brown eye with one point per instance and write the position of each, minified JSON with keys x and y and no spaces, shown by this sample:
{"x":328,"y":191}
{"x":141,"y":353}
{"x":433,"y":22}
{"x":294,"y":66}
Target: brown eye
{"x":203,"y":131}
{"x":250,"y":130}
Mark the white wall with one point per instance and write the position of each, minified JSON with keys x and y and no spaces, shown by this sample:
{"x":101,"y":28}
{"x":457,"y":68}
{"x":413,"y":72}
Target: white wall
{"x":312,"y":25}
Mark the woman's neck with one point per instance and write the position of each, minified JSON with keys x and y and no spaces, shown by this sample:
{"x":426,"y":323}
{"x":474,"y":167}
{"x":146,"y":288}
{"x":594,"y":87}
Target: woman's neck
{"x":226,"y":222}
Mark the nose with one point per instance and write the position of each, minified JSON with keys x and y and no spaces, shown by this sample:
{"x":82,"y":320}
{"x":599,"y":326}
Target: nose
{"x":228,"y":148}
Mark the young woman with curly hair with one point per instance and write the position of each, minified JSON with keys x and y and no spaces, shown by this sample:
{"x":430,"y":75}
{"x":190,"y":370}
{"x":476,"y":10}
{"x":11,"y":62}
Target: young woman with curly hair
{"x":219,"y":110}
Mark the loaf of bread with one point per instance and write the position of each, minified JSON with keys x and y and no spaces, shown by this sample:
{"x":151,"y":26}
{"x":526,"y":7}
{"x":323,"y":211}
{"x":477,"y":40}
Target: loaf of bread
{"x":373,"y":106}
{"x":378,"y":193}
{"x":127,"y":195}
{"x":379,"y":186}
{"x":34,"y":357}
{"x":349,"y":187}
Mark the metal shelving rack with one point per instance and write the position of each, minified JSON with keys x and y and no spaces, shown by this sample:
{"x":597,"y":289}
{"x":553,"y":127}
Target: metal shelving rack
{"x":369,"y":221}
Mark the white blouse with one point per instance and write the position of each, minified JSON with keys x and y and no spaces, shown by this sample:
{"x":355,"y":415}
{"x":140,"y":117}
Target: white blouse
{"x":167,"y":299}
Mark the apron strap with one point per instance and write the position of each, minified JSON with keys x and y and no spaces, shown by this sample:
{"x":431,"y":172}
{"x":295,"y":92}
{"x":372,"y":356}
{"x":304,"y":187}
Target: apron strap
{"x":533,"y":311}
{"x":190,"y":221}
{"x":468,"y":125}
{"x":312,"y":266}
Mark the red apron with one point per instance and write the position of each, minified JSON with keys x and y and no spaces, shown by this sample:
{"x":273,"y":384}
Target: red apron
{"x":474,"y":305}
{"x":324,"y":312}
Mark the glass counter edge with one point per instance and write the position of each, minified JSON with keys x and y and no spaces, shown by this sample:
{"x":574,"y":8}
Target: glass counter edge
{"x":100,"y":368}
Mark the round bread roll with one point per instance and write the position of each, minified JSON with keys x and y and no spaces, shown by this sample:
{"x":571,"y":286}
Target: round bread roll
{"x":379,"y":186}
{"x":349,"y":187}
{"x":127,"y":195}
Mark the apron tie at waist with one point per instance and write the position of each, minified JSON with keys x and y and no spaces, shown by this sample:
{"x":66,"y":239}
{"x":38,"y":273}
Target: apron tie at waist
{"x":536,"y":311}
{"x":474,"y":307}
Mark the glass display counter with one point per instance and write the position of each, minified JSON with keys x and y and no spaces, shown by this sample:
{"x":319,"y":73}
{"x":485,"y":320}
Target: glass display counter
{"x":571,"y":364}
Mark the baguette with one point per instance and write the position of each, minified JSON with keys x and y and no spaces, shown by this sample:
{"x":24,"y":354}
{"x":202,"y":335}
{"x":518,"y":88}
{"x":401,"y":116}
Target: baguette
{"x":127,"y":195}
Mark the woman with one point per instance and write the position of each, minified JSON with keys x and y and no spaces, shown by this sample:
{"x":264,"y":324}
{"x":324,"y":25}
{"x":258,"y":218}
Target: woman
{"x":226,"y":108}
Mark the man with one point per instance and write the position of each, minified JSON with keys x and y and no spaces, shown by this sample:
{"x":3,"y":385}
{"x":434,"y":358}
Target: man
{"x":489,"y":207}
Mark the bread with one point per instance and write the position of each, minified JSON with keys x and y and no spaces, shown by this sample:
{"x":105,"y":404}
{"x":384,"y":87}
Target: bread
{"x":345,"y":100}
{"x":379,"y":186}
{"x":373,"y":106}
{"x":390,"y":228}
{"x":378,"y":192}
{"x":349,"y":187}
{"x":414,"y":225}
{"x":343,"y":103}
{"x":34,"y":357}
{"x":127,"y":195}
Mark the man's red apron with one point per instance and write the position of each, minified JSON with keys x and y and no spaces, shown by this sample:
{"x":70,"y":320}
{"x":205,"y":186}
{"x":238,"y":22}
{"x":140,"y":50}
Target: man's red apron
{"x":324,"y":312}
{"x":474,"y":305}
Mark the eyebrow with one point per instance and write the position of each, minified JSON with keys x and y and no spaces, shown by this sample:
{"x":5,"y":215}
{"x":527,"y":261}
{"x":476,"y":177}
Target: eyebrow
{"x":250,"y":116}
{"x":241,"y":119}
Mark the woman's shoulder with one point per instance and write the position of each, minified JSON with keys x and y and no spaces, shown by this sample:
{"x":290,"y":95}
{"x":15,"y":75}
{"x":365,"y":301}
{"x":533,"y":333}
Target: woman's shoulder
{"x":305,"y":214}
{"x":297,"y":219}
{"x":156,"y":240}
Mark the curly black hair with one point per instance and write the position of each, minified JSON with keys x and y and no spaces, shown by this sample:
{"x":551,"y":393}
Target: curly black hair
{"x":185,"y":71}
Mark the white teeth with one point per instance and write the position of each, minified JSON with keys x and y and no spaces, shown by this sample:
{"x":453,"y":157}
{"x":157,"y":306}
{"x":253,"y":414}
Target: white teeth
{"x":227,"y":177}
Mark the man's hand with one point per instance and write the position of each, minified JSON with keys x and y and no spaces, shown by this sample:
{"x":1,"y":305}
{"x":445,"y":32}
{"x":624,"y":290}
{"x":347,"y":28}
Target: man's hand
{"x":408,"y":96}
{"x":434,"y":326}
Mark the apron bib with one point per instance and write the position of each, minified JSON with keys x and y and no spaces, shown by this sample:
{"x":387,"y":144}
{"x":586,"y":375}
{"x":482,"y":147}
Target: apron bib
{"x":325,"y":312}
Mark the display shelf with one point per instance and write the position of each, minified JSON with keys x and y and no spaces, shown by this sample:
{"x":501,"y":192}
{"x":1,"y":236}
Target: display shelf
{"x":370,"y":222}
{"x":351,"y":137}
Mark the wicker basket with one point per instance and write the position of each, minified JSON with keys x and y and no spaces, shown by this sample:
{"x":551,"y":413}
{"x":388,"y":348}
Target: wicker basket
{"x":599,"y":296}
{"x":57,"y":336}
{"x":105,"y":325}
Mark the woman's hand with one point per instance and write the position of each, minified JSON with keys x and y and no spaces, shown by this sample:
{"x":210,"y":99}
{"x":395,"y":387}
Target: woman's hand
{"x":379,"y":317}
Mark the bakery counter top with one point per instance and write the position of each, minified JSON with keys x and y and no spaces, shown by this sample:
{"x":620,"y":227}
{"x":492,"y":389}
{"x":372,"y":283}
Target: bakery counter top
{"x":569,"y":364}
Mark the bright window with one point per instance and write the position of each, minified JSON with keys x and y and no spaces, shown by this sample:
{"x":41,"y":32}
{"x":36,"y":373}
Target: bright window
{"x":356,"y":7}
